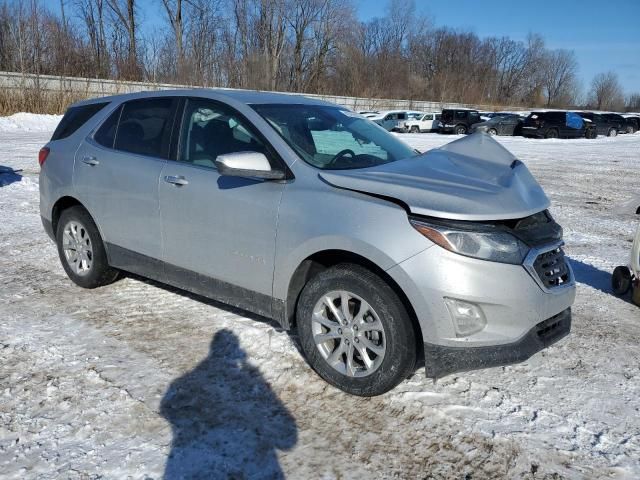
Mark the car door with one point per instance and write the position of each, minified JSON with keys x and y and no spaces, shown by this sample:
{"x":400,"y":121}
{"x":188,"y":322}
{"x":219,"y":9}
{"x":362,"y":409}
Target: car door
{"x":427,"y":122}
{"x":218,"y":232}
{"x":116,"y":177}
{"x":574,"y":125}
{"x":508,"y":125}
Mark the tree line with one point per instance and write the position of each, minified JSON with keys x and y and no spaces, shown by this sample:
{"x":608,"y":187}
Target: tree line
{"x":312,"y":46}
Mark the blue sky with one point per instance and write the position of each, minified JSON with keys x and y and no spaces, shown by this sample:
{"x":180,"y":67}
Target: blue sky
{"x":604,"y":34}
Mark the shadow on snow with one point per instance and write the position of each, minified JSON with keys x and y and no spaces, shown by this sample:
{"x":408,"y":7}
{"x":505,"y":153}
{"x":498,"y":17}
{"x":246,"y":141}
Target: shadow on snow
{"x":227,"y":422}
{"x":9,"y":176}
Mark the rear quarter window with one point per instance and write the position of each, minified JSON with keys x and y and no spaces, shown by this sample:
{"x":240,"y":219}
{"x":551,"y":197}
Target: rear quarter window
{"x":74,"y":118}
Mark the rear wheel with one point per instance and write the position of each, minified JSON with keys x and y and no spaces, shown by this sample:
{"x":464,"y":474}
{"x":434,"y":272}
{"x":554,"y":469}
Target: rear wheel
{"x":621,"y":280}
{"x":553,"y":133}
{"x":81,"y":250}
{"x":629,"y":129}
{"x":354,"y":331}
{"x":461,"y":130}
{"x":612,"y":132}
{"x":492,"y":131}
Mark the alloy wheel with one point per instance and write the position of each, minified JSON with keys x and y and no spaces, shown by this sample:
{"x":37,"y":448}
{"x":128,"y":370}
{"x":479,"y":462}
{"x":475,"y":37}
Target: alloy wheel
{"x":77,"y":248}
{"x":348,"y":333}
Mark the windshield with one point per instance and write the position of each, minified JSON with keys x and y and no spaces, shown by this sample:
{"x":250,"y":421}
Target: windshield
{"x":333,"y":138}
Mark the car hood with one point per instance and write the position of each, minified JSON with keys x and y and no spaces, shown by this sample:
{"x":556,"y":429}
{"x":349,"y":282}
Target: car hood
{"x":474,"y":178}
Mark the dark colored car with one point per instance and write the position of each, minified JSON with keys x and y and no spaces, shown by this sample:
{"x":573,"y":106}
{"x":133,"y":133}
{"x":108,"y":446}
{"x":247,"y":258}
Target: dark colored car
{"x":603,"y":125}
{"x":633,"y":123}
{"x":556,"y":124}
{"x":618,"y":122}
{"x":503,"y":124}
{"x":458,"y":120}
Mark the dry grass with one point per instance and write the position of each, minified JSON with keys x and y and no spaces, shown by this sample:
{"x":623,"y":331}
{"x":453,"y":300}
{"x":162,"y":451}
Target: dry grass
{"x":35,"y":100}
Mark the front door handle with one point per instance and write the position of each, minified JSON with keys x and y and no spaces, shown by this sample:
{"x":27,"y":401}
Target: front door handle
{"x":178,"y":181}
{"x":90,"y":160}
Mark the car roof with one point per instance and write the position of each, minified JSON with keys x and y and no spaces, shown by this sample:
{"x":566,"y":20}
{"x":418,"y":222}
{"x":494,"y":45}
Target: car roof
{"x":248,"y":97}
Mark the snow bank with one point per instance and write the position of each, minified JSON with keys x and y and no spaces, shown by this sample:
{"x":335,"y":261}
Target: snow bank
{"x":29,"y":122}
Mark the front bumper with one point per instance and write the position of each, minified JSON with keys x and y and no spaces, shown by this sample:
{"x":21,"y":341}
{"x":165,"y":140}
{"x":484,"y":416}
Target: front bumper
{"x":443,"y":360}
{"x":513,"y":298}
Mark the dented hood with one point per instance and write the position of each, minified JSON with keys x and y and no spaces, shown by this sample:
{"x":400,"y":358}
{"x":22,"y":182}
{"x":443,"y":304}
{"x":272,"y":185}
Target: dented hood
{"x":474,"y":178}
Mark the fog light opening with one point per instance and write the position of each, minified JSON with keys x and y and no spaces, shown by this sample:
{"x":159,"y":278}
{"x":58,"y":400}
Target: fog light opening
{"x":468,"y":318}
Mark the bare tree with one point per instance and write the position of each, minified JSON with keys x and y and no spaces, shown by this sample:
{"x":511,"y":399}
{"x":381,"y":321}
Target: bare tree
{"x":606,"y":92}
{"x":124,"y":17}
{"x":559,"y":77}
{"x":633,"y":103}
{"x":173,"y":8}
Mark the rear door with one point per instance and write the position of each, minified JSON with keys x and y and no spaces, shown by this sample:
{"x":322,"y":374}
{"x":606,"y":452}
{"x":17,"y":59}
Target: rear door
{"x":116,"y":176}
{"x":219,"y":232}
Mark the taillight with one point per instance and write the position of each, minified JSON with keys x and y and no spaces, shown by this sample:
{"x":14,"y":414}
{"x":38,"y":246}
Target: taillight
{"x":42,"y":155}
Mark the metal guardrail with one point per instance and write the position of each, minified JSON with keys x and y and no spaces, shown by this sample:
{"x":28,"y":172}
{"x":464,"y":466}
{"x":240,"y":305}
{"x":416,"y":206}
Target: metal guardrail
{"x":93,"y":87}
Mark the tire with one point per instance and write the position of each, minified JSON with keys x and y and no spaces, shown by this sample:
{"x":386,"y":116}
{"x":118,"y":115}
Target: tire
{"x":621,"y":280}
{"x":461,"y":130}
{"x":553,"y":133}
{"x":77,"y":230}
{"x":492,"y":132}
{"x":630,"y":129}
{"x":415,"y":129}
{"x":387,"y":325}
{"x":612,"y":133}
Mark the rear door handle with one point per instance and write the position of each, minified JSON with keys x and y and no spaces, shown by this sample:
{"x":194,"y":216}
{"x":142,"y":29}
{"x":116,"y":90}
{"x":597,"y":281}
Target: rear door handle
{"x":178,"y":181}
{"x":90,"y":160}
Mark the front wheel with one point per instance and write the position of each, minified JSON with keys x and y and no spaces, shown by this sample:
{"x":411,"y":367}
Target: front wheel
{"x":81,"y":250}
{"x":492,"y":131}
{"x":355,"y":332}
{"x":553,"y":133}
{"x":415,"y":129}
{"x":612,"y":133}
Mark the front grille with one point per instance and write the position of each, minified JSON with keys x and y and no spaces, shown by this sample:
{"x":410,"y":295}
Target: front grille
{"x":552,"y":268}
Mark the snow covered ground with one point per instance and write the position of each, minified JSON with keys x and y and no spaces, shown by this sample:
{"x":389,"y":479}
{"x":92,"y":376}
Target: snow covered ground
{"x":133,"y":378}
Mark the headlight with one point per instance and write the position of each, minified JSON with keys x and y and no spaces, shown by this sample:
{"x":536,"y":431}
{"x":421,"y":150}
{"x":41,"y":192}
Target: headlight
{"x":485,"y":242}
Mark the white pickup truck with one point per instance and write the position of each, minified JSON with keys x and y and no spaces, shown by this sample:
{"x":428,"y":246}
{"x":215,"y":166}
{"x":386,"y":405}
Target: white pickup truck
{"x":427,"y":122}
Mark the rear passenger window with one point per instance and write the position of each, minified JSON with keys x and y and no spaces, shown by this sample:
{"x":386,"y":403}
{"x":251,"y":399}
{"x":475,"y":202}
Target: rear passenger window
{"x":106,"y":134}
{"x":144,"y":127}
{"x":74,"y":118}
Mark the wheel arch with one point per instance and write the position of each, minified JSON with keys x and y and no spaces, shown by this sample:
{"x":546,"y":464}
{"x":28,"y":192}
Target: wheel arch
{"x":322,"y":260}
{"x":65,"y":202}
{"x":62,"y":204}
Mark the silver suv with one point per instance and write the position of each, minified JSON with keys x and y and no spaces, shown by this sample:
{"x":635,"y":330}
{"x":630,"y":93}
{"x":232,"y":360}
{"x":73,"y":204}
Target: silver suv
{"x":311,"y":215}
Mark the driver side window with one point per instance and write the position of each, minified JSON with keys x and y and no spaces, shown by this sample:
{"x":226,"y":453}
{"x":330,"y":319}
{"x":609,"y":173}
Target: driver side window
{"x":210,"y":129}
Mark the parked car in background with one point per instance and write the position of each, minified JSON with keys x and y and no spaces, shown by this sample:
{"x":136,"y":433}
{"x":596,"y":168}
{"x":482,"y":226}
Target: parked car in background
{"x":274,"y":204}
{"x":603,"y":125}
{"x":554,"y":124}
{"x":633,"y":122}
{"x":427,"y":122}
{"x":501,"y":124}
{"x":392,"y":121}
{"x":458,"y":120}
{"x":617,"y":121}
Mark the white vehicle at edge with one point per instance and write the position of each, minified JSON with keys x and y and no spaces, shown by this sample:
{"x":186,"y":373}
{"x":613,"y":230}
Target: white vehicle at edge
{"x":427,"y":122}
{"x":392,"y":120}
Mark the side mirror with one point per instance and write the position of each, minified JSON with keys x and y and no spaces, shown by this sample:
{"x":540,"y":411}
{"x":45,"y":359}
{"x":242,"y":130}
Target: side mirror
{"x":247,"y":164}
